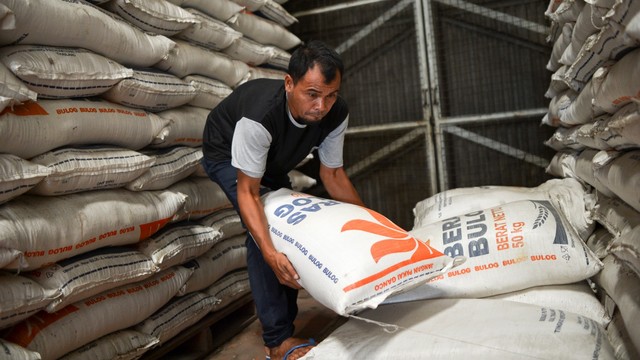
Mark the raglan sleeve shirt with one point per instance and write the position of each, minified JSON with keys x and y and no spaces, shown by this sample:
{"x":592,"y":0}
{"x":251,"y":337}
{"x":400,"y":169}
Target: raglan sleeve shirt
{"x":250,"y":147}
{"x":330,"y":150}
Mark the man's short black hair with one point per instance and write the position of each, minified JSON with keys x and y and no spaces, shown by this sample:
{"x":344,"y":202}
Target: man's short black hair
{"x":312,"y":53}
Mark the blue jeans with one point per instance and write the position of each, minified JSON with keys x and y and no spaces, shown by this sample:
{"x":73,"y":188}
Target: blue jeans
{"x":276,"y":304}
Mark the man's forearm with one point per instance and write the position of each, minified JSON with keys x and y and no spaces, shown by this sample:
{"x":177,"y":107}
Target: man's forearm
{"x":339,"y":186}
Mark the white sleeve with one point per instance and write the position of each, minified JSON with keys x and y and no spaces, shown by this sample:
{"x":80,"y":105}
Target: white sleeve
{"x":330,"y":151}
{"x":249,"y":147}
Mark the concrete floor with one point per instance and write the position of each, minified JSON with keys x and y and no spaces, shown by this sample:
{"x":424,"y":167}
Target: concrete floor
{"x":314,"y":320}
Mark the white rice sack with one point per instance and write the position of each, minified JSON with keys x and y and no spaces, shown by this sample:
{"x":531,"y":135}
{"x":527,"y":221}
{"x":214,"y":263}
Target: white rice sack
{"x":227,"y":221}
{"x":599,"y":242}
{"x":122,"y":345}
{"x":264,"y":73}
{"x":76,"y":23}
{"x":171,"y":165}
{"x":566,"y":11}
{"x":463,"y":328}
{"x":564,"y":138}
{"x":91,"y":273}
{"x":508,"y":248}
{"x":17,"y":352}
{"x":274,"y":11}
{"x":376,"y":258}
{"x":593,"y":135}
{"x":12,"y":90}
{"x":209,"y":92}
{"x":177,"y":316}
{"x":619,"y":87}
{"x":577,"y":298}
{"x":623,"y":286}
{"x":559,"y":103}
{"x":35,"y":128}
{"x":249,"y":51}
{"x":563,"y":164}
{"x":557,"y":84}
{"x":87,"y":320}
{"x":209,"y":32}
{"x":578,"y":110}
{"x":46,"y":230}
{"x":76,"y":170}
{"x":589,"y":22}
{"x":633,"y":28}
{"x":264,"y":31}
{"x":62,"y":72}
{"x":627,"y":249}
{"x":622,"y":131}
{"x":251,"y":5}
{"x":188,"y":59}
{"x":186,"y":125}
{"x":280,"y":58}
{"x":155,"y":16}
{"x":620,"y":339}
{"x":300,"y":181}
{"x":204,"y":197}
{"x":585,"y":170}
{"x":179,"y":243}
{"x":559,"y":47}
{"x":600,"y":49}
{"x":18,"y":176}
{"x":151,"y":90}
{"x":229,"y":288}
{"x":225,"y":256}
{"x":21,"y":297}
{"x":621,"y":175}
{"x":567,"y":195}
{"x":621,"y":11}
{"x":7,"y":18}
{"x":615,"y":215}
{"x":220,"y":9}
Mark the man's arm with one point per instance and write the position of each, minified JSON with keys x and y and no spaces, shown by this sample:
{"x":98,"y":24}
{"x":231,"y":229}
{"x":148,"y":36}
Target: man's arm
{"x":337,"y":183}
{"x":252,"y":212}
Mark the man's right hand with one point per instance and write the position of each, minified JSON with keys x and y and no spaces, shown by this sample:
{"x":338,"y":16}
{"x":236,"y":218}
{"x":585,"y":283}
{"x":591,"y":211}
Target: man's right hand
{"x":285,"y":272}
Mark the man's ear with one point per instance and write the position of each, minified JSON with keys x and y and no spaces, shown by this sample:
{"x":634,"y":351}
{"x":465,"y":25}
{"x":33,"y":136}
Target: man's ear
{"x":288,"y":83}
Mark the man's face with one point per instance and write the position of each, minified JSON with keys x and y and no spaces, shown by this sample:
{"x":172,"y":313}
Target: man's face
{"x":311,"y":98}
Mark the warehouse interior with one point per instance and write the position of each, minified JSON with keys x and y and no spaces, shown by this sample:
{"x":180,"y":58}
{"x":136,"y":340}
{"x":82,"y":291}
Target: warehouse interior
{"x":462,"y":113}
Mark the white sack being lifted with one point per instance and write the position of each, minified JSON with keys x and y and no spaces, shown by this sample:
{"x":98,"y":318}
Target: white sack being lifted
{"x":46,"y":230}
{"x":77,"y":23}
{"x":35,"y":128}
{"x":348,"y":257}
{"x":508,"y":248}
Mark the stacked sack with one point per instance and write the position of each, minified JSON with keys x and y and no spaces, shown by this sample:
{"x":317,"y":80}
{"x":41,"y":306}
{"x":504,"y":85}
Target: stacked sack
{"x":104,"y":206}
{"x":594,"y":103}
{"x":522,"y":291}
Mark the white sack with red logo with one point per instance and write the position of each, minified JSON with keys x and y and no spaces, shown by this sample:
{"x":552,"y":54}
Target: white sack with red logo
{"x":510,"y":247}
{"x":348,"y":257}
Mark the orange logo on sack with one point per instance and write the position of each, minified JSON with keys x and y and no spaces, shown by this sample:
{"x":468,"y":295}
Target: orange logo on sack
{"x":398,"y":241}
